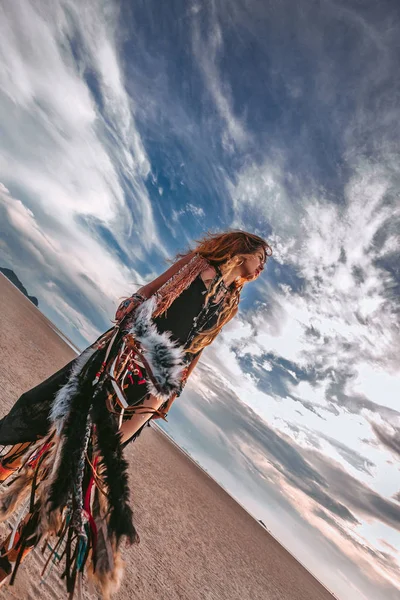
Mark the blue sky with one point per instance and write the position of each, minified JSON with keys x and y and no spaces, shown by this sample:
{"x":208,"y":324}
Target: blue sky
{"x":128,"y":129}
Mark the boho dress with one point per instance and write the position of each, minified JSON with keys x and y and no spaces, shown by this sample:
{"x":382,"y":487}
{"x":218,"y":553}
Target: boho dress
{"x":72,"y":488}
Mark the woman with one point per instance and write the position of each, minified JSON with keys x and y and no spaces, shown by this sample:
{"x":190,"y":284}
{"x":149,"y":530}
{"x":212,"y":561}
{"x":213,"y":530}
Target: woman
{"x":67,"y":434}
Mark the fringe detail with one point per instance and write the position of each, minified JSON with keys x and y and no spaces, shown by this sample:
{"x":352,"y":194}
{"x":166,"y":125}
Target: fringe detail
{"x":164,"y":356}
{"x":49,"y":522}
{"x":18,"y":489}
{"x":15,"y":494}
{"x":178,"y":283}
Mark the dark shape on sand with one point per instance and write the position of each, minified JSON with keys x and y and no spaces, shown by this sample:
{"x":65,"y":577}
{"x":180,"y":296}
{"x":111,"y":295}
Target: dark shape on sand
{"x":263,"y":524}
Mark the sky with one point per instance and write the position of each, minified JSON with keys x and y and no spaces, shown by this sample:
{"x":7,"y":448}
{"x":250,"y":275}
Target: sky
{"x":127,"y":130}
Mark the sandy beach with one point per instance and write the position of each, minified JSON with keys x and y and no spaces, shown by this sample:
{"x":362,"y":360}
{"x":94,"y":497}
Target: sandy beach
{"x":197,"y":543}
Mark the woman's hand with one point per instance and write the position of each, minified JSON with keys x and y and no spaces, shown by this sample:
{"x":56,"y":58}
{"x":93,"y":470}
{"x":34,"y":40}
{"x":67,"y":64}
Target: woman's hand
{"x":160,"y":414}
{"x":150,"y":289}
{"x":164,"y":409}
{"x":127,"y":306}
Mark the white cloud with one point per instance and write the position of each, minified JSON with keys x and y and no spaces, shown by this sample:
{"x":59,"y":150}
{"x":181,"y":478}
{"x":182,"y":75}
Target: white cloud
{"x":188,"y":209}
{"x":378,"y":384}
{"x":262,"y":188}
{"x":65,"y":158}
{"x":343,"y":321}
{"x":67,"y":314}
{"x":346,"y":309}
{"x":70,"y":139}
{"x":57,"y":146}
{"x":78,"y":260}
{"x":207,"y":51}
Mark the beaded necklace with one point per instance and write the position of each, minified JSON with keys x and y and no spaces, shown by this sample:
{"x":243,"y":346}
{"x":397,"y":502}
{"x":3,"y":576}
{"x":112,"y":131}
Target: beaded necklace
{"x":209,"y":310}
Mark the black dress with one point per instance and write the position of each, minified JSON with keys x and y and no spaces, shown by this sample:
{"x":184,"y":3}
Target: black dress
{"x":28,"y":418}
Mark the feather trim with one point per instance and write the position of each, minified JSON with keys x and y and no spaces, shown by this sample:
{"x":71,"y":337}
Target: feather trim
{"x":18,"y":489}
{"x":109,"y":570}
{"x":163,"y":355}
{"x":114,"y":467}
{"x":73,"y":435}
{"x":62,"y":400}
{"x":15,"y":494}
{"x":105,"y":570}
{"x":50,"y":521}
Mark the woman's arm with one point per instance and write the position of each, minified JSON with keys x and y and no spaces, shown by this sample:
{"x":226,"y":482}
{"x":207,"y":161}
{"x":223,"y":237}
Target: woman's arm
{"x":151,"y":288}
{"x":193,"y":364}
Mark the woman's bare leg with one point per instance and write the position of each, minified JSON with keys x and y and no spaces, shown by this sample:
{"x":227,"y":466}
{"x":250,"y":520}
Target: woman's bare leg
{"x":129,"y":428}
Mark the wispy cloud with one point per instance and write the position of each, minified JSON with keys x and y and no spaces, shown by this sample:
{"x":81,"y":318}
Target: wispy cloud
{"x":314,"y":486}
{"x":128,"y":132}
{"x":207,"y":47}
{"x":69,"y":144}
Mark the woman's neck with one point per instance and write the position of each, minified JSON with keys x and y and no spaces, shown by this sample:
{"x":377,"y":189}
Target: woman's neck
{"x":208,"y":275}
{"x":230,"y":277}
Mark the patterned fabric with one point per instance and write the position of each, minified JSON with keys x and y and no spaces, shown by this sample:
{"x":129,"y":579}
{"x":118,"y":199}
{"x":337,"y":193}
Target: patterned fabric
{"x":75,"y":477}
{"x":178,"y":283}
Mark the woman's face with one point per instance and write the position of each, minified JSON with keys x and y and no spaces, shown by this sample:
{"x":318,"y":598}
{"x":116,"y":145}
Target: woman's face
{"x":253,"y":264}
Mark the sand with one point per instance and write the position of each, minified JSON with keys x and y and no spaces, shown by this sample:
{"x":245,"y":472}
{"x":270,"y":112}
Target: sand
{"x":197,"y":543}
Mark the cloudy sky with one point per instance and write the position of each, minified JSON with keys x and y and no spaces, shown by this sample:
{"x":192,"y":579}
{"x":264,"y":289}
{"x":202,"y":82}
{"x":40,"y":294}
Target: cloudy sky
{"x":129,"y":128}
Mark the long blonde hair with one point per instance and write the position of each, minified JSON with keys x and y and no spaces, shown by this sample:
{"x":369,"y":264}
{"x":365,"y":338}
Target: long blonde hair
{"x":225,"y":250}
